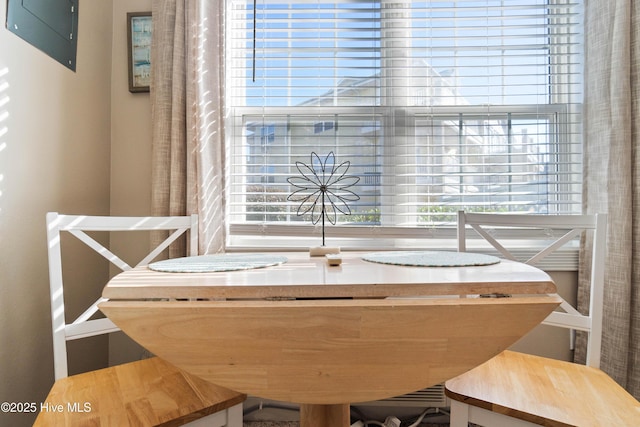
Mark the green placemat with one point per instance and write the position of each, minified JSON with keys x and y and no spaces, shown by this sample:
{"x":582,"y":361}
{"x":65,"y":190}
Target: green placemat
{"x":431,"y":258}
{"x":214,"y":263}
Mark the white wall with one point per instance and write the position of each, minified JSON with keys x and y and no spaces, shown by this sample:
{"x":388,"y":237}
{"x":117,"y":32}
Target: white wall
{"x":55,"y":155}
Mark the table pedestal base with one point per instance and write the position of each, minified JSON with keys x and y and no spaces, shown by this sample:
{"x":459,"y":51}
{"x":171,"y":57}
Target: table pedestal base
{"x":324,"y":415}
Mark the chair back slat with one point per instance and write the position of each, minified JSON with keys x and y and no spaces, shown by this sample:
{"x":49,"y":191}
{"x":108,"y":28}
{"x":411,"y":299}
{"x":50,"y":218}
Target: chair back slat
{"x":100,"y":249}
{"x":596,"y":295}
{"x":78,"y":225}
{"x":571,"y":227}
{"x":90,"y":328}
{"x":89,"y":312}
{"x":162,"y":246}
{"x":571,"y":235}
{"x":489,"y":238}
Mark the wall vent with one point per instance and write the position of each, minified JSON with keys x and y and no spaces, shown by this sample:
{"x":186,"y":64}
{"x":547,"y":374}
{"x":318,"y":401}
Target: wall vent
{"x":430,"y":397}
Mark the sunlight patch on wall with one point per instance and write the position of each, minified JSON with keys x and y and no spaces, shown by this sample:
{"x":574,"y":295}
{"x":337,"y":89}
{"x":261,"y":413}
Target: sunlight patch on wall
{"x":4,"y":116}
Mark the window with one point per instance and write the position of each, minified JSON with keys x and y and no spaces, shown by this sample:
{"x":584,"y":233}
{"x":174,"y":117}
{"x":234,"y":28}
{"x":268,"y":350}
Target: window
{"x":323,"y":126}
{"x":437,"y":105}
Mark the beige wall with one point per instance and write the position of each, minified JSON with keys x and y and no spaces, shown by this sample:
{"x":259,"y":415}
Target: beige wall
{"x":55,"y":155}
{"x":130,"y":158}
{"x":74,"y":143}
{"x":130,"y":125}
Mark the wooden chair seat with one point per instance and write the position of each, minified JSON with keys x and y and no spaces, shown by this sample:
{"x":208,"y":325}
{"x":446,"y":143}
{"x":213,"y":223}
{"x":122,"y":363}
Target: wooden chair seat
{"x":520,"y":390}
{"x":544,"y":392}
{"x":149,"y":392}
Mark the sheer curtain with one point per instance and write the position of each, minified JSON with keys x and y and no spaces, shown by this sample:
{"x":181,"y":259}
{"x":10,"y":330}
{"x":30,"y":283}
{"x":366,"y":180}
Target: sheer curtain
{"x":187,"y":110}
{"x":611,"y":174}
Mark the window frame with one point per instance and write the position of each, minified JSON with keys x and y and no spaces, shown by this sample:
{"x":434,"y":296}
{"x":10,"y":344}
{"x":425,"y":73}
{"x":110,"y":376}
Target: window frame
{"x":293,"y":236}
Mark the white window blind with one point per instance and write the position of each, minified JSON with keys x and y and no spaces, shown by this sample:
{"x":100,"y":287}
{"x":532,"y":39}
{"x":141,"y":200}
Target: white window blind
{"x":437,"y":105}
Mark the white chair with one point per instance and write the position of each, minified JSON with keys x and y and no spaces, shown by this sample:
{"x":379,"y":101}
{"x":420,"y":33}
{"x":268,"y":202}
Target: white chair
{"x":515,"y":389}
{"x":144,"y":392}
{"x":558,"y":230}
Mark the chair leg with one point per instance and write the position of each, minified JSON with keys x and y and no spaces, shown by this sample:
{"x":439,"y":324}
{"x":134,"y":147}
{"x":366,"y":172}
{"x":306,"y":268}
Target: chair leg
{"x":234,"y":416}
{"x":459,"y":414}
{"x":231,"y":417}
{"x":462,"y":414}
{"x":218,"y":419}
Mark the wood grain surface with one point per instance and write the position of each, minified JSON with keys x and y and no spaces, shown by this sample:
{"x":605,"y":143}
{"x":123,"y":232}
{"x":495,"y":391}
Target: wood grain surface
{"x":329,"y":351}
{"x":149,"y":392}
{"x":546,"y":392}
{"x":326,"y":336}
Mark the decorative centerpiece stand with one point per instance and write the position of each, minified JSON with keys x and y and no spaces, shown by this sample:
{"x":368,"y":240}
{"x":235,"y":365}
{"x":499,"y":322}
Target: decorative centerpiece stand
{"x":322,"y":191}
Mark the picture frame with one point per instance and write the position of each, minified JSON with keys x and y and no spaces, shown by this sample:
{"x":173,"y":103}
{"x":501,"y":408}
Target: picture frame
{"x":139,"y":31}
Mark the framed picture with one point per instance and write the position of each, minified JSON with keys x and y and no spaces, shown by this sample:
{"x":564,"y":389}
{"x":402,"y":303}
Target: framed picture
{"x":139,"y":38}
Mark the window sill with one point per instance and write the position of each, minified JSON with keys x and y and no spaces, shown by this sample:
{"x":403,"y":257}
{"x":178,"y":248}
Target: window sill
{"x":381,"y":239}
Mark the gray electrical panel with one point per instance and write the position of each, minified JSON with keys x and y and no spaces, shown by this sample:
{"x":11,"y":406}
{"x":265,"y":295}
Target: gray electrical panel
{"x":49,"y":25}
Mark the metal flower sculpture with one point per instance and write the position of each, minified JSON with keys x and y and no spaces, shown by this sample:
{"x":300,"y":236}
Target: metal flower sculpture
{"x":322,"y":189}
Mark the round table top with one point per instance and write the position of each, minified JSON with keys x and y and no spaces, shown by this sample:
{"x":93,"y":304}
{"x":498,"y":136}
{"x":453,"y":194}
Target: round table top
{"x":303,"y":276}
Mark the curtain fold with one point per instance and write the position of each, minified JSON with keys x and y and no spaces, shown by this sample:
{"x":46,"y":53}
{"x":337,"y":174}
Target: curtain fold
{"x":187,"y":114}
{"x":611,"y":181}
